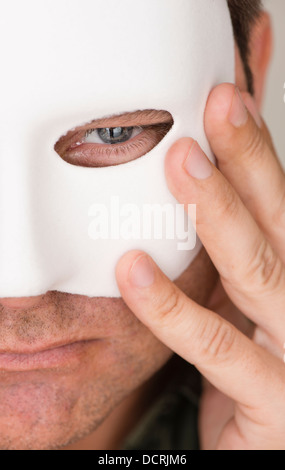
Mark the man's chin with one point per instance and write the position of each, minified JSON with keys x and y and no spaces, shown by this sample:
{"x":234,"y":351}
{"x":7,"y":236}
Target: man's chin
{"x":40,"y":414}
{"x":49,"y":408}
{"x":35,"y":415}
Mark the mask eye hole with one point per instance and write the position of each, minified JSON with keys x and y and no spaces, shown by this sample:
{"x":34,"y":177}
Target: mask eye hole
{"x":116,"y":140}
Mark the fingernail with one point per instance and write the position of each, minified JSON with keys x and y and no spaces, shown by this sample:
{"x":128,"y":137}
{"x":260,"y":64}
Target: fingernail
{"x":197,"y":164}
{"x":142,"y":272}
{"x":252,"y":107}
{"x":238,"y":115}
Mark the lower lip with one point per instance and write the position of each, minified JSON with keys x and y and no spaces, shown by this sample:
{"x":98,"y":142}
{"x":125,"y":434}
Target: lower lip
{"x":70,"y":354}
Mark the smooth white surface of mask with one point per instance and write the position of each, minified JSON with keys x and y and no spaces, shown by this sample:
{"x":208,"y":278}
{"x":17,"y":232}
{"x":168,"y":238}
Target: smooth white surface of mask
{"x":63,"y":64}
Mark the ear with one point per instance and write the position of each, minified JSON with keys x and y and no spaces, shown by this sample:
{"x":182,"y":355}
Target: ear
{"x":261,"y":44}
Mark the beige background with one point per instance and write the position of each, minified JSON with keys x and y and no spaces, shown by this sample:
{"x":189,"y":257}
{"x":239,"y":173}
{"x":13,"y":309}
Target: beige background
{"x":274,"y":106}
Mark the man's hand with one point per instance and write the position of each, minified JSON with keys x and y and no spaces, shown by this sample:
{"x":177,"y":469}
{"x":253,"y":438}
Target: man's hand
{"x":241,"y":223}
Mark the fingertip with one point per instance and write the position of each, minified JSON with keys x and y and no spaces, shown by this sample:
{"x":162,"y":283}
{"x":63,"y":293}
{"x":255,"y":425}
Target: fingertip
{"x":218,"y":107}
{"x":124,"y":266}
{"x":251,"y":105}
{"x":175,"y":160}
{"x":142,"y":274}
{"x":178,"y":151}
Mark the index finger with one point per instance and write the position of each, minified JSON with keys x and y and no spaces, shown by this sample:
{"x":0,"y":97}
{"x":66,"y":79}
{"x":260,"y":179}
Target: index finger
{"x":229,"y":360}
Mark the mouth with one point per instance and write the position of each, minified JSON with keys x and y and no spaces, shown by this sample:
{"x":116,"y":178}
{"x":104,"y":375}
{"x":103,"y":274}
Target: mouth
{"x":49,"y":357}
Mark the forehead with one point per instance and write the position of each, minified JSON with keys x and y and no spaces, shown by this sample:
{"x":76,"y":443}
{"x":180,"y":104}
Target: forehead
{"x":69,"y":53}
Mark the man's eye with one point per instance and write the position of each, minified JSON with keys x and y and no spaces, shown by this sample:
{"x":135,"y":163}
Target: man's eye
{"x":91,"y":146}
{"x":111,"y":135}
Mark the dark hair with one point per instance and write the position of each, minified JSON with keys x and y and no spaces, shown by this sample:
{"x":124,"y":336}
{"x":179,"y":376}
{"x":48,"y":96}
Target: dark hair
{"x":244,"y":13}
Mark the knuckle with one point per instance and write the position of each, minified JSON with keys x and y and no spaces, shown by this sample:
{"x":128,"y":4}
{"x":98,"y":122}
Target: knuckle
{"x":254,"y":146}
{"x":217,"y":340}
{"x":170,"y":305}
{"x":228,"y":204}
{"x":265,"y":268}
{"x":224,"y":204}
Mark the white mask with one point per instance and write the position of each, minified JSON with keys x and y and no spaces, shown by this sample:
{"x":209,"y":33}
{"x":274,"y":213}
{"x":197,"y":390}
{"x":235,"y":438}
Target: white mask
{"x":65,"y":63}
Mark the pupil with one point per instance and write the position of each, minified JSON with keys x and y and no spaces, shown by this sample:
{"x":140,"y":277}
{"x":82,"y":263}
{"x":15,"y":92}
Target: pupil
{"x":115,"y":135}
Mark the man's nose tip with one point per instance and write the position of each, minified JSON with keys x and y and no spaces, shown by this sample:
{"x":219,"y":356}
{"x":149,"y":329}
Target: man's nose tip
{"x":18,"y":303}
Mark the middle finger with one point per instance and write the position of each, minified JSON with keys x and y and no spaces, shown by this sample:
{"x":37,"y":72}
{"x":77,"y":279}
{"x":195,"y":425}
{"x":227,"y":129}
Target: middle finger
{"x":251,"y":272}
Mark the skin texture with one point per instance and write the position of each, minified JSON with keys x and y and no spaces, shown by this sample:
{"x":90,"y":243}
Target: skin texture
{"x":45,"y":409}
